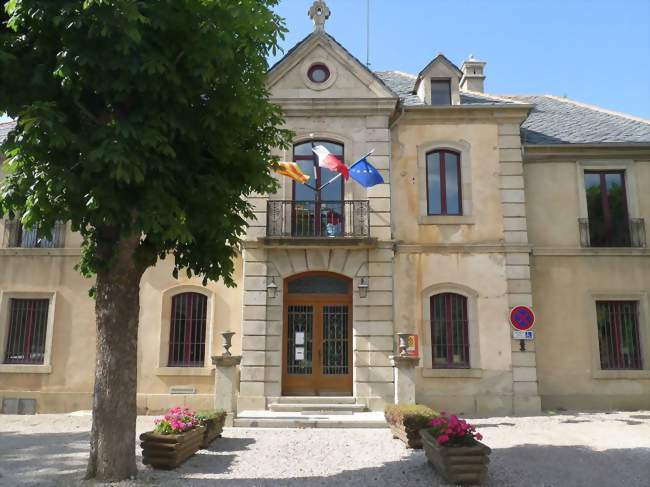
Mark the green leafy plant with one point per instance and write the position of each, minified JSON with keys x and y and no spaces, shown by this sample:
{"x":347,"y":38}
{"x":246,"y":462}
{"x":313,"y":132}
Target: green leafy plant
{"x":209,"y":415}
{"x":412,"y":416}
{"x":145,"y":124}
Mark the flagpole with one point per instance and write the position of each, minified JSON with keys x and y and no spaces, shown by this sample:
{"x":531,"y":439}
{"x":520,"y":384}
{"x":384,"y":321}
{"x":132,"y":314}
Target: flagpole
{"x":339,"y":174}
{"x":330,"y":181}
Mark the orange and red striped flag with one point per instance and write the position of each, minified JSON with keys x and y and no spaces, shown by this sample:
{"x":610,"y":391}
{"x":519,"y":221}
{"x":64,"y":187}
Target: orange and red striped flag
{"x":293,"y":171}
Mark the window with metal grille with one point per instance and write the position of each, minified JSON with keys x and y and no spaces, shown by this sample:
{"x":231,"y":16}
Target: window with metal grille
{"x":444,"y":190}
{"x":449,"y":331}
{"x":618,"y":334}
{"x":187,"y":330}
{"x":27,"y":330}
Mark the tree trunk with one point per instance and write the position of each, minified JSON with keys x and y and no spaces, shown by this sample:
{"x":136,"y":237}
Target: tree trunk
{"x":117,"y":309}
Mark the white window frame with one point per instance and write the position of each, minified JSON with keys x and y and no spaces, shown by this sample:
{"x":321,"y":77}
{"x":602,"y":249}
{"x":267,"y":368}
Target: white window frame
{"x":165,"y":323}
{"x":472,"y":327}
{"x":644,"y":334}
{"x":5,"y":310}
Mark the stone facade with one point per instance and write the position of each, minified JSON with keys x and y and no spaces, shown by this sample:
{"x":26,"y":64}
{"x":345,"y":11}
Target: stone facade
{"x":515,"y":242}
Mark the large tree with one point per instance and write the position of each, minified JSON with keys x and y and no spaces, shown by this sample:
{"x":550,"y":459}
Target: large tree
{"x":144,"y":123}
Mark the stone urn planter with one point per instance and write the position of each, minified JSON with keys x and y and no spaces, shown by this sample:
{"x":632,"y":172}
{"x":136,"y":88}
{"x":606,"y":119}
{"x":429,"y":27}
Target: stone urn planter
{"x":213,"y":422}
{"x":406,"y":421}
{"x":465,"y":465}
{"x":169,"y":451}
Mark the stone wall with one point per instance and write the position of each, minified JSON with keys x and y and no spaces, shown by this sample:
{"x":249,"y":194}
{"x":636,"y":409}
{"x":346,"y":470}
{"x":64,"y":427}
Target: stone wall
{"x":261,"y":369}
{"x":526,"y":398}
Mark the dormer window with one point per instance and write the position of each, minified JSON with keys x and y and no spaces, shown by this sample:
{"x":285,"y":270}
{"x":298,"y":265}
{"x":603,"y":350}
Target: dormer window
{"x":437,"y":84}
{"x":440,"y":92}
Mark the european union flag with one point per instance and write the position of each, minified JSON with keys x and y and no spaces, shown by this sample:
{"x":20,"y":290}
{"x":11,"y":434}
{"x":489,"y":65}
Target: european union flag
{"x":365,"y":174}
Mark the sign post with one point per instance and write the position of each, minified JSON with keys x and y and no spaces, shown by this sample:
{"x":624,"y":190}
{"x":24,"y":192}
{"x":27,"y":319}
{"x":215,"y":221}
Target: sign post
{"x":522,"y":320}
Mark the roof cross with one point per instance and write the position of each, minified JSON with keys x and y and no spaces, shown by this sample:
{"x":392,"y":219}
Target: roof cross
{"x":319,"y":13}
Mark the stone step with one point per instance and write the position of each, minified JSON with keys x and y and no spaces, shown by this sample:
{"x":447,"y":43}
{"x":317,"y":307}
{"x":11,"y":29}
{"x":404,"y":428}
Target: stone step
{"x":273,"y":419}
{"x":317,"y":408}
{"x":316,"y":400}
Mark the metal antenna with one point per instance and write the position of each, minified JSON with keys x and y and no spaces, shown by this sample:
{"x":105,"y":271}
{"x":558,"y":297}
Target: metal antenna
{"x":368,"y":33}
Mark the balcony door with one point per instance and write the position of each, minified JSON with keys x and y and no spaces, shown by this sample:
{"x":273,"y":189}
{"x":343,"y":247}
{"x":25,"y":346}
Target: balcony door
{"x":609,"y":225}
{"x":317,"y":336}
{"x":317,"y":214}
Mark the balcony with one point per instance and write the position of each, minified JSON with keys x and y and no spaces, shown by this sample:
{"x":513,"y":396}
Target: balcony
{"x":595,"y":233}
{"x":311,"y":221}
{"x":16,"y":236}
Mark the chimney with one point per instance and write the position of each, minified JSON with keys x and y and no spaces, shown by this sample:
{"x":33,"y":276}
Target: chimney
{"x":473,"y":78}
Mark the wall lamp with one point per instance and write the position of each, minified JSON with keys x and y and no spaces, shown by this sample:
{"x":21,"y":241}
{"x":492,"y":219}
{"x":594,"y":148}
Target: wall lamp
{"x":363,"y":287}
{"x":272,"y":288}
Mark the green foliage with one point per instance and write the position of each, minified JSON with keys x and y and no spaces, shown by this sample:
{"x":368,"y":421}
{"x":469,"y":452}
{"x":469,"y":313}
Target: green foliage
{"x":412,"y":416}
{"x":209,"y":414}
{"x":140,"y":118}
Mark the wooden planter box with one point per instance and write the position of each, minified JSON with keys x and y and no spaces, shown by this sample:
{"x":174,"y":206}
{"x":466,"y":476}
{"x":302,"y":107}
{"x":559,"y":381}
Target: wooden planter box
{"x":169,"y":451}
{"x":213,"y":430}
{"x":410,"y":436}
{"x":457,"y":464}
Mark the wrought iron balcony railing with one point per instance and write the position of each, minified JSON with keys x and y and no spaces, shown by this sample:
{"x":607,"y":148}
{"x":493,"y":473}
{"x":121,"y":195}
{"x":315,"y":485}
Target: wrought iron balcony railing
{"x":597,"y":233}
{"x":17,"y":236}
{"x":290,"y":218}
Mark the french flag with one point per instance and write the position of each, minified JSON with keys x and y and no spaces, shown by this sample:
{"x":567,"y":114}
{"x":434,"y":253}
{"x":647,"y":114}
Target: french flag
{"x":330,"y":161}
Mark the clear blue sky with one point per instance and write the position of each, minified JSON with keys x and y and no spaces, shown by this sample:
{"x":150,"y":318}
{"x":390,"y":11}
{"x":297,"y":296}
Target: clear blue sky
{"x":594,"y":51}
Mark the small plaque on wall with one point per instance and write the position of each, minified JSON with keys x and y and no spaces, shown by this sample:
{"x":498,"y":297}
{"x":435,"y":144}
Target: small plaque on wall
{"x":300,"y":353}
{"x":300,"y":338}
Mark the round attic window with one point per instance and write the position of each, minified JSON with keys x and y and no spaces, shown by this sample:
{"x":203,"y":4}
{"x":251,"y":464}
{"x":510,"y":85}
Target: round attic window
{"x":318,"y":73}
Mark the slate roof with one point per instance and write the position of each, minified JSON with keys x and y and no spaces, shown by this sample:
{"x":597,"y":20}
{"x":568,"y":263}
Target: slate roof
{"x":403,"y":84}
{"x":554,"y":120}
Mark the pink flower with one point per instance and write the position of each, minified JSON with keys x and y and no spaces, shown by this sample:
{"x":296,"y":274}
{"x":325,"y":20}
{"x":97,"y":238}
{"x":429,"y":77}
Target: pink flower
{"x":478,"y":436}
{"x":443,"y":439}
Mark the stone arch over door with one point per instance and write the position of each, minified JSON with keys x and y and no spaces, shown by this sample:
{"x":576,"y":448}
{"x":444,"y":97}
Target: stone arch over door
{"x":351,"y":263}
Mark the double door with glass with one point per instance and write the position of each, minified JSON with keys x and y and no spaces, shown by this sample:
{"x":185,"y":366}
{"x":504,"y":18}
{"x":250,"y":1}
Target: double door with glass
{"x":317,"y":346}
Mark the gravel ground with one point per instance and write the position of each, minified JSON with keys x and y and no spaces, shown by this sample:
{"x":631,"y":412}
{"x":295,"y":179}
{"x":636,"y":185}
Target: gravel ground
{"x":581,"y":449}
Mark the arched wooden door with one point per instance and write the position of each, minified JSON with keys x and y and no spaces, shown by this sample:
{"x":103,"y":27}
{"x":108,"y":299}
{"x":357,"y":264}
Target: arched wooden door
{"x":317,"y":335}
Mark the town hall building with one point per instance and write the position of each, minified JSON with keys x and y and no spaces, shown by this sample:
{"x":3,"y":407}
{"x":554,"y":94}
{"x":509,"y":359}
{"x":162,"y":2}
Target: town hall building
{"x":488,"y":202}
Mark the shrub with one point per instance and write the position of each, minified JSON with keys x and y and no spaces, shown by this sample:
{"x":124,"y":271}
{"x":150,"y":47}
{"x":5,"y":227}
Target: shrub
{"x":176,"y":421}
{"x":412,"y":416}
{"x":452,"y":431}
{"x":209,"y":414}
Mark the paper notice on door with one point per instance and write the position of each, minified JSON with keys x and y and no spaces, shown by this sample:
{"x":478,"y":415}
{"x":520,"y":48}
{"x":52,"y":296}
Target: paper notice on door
{"x":300,"y":338}
{"x":300,"y":353}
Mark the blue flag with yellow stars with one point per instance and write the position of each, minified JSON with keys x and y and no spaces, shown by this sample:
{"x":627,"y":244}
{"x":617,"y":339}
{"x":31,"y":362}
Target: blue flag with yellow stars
{"x":365,"y":173}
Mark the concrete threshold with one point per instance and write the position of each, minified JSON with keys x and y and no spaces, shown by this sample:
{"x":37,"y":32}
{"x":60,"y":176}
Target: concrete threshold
{"x":282,"y":419}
